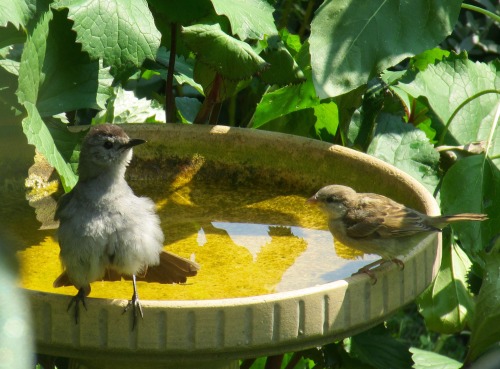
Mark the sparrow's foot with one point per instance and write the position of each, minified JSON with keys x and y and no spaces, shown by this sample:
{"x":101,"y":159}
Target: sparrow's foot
{"x":399,"y":263}
{"x":79,"y":297}
{"x":135,"y":304}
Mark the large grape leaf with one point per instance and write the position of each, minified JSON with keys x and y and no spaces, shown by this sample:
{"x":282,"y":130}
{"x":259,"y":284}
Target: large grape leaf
{"x":407,"y":148}
{"x":121,"y":32}
{"x":59,"y":79}
{"x":463,"y":94}
{"x":250,"y":19}
{"x":39,"y":135}
{"x":16,"y":12}
{"x":351,"y":41}
{"x":54,"y":80}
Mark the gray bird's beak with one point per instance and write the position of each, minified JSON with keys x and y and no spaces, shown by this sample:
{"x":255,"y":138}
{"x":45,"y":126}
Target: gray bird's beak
{"x":133,"y":142}
{"x":312,"y":200}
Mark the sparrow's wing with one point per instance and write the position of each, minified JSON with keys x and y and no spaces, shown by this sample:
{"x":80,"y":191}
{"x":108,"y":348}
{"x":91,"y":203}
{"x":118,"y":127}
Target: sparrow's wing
{"x":377,"y":216}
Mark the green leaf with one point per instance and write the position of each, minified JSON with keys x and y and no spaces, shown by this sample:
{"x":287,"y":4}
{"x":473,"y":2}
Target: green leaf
{"x":407,"y":148}
{"x":218,"y":88}
{"x":283,"y":69}
{"x":431,"y":360}
{"x":352,"y":41}
{"x":60,"y":79}
{"x":121,"y":32}
{"x":10,"y":35}
{"x":446,"y":304}
{"x":231,"y":58}
{"x":183,"y":12}
{"x":125,"y":107}
{"x":17,"y":12}
{"x":39,"y":135}
{"x":327,"y":120}
{"x":283,"y":101}
{"x":463,"y":95}
{"x":250,"y":19}
{"x":473,"y":185}
{"x":428,"y":57}
{"x":183,"y":73}
{"x":188,"y":108}
{"x":379,"y":349}
{"x":485,"y":327}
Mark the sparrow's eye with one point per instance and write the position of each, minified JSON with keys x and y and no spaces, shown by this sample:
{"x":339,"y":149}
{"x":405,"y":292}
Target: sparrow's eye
{"x":329,"y":199}
{"x":108,"y":145}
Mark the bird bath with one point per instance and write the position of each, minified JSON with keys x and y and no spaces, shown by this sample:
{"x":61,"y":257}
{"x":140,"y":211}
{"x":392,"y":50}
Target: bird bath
{"x":200,"y":325}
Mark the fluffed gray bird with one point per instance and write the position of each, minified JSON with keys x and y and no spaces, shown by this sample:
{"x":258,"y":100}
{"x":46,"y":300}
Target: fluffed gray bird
{"x":375,"y":224}
{"x":105,"y":230}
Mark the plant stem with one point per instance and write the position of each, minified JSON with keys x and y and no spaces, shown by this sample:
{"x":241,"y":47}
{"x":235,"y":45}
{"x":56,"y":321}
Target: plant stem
{"x":170,"y":108}
{"x":493,"y":16}
{"x":210,"y":101}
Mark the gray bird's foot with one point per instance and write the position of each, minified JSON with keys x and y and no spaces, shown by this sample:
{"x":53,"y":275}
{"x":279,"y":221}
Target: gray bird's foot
{"x":79,"y":297}
{"x":135,"y":304}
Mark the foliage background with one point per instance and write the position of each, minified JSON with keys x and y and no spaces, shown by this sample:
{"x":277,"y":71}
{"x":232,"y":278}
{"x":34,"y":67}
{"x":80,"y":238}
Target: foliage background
{"x":413,"y":83}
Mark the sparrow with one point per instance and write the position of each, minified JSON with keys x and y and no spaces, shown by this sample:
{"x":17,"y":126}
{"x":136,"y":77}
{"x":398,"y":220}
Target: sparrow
{"x":375,"y":224}
{"x":106,"y":232}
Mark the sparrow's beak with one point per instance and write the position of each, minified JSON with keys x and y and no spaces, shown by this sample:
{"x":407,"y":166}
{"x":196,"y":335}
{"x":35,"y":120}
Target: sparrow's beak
{"x":133,"y":142}
{"x":312,"y":200}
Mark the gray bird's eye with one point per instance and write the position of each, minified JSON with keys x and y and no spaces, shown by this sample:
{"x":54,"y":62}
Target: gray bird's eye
{"x":329,"y":199}
{"x":108,"y":145}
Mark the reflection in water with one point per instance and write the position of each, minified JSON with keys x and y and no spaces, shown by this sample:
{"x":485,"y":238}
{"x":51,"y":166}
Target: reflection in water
{"x":318,"y":264}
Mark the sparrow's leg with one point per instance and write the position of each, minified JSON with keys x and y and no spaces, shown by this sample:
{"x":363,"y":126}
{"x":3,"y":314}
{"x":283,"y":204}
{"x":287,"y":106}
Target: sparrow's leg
{"x":135,"y":303}
{"x":399,"y":263}
{"x":79,"y":297}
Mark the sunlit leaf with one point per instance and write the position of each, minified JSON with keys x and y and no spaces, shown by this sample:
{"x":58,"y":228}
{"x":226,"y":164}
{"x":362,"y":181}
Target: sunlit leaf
{"x":463,"y":95}
{"x":121,"y":32}
{"x":38,"y":135}
{"x":283,"y":101}
{"x":125,"y":107}
{"x":407,"y":148}
{"x":16,"y":12}
{"x":250,"y":19}
{"x":351,"y":41}
{"x":431,"y":360}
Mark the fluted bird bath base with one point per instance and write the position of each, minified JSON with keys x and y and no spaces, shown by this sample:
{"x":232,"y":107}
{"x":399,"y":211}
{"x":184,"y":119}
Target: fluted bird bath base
{"x":216,"y":332}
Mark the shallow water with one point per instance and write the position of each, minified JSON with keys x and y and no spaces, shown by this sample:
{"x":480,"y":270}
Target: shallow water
{"x":248,"y":241}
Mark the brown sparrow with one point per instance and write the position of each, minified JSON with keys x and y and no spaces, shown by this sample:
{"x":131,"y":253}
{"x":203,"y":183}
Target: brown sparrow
{"x":375,"y":224}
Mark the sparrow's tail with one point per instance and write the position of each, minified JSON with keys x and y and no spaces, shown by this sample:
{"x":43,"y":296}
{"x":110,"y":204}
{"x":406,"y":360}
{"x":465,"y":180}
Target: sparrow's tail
{"x":443,"y":220}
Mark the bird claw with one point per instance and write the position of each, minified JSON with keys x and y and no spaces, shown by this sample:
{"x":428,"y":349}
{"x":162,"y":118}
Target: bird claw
{"x":135,"y":304}
{"x":367,"y":269}
{"x":79,"y":297}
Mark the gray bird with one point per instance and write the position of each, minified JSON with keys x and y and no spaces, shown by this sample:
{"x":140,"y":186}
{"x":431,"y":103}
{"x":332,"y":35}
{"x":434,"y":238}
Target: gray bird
{"x":375,"y":224}
{"x":105,"y":230}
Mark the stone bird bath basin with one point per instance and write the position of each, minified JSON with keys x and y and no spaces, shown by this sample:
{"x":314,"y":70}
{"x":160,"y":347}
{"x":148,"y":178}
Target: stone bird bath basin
{"x":216,"y":332}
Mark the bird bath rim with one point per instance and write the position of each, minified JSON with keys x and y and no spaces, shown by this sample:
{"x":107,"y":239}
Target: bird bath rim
{"x":217,"y":332}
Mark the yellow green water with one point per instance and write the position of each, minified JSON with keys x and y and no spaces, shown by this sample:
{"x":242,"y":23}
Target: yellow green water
{"x":248,"y":241}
